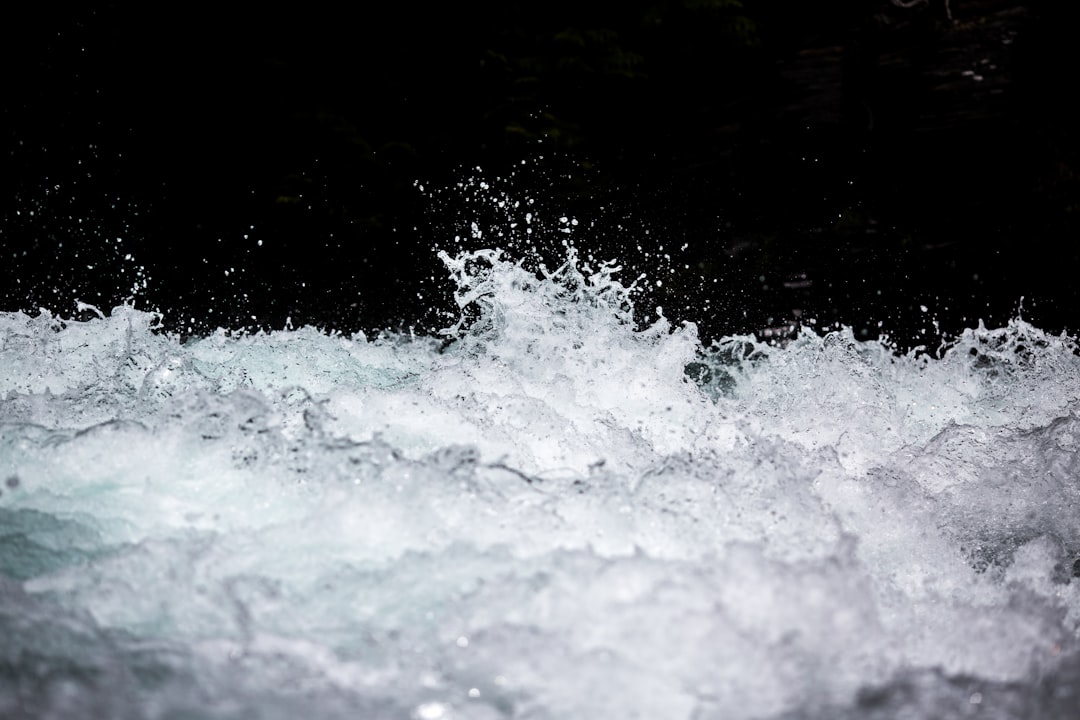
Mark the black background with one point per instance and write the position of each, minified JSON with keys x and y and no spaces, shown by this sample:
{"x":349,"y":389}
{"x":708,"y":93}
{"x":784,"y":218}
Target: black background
{"x":848,"y":162}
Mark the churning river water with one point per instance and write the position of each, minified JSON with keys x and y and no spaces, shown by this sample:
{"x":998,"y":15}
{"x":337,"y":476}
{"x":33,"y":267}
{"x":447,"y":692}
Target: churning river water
{"x":548,"y":514}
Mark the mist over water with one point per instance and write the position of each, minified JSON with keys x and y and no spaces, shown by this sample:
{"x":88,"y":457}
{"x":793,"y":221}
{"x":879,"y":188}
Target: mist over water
{"x":550,"y":511}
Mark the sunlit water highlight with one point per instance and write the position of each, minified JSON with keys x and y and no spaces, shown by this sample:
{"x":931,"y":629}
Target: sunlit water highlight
{"x":549,"y":515}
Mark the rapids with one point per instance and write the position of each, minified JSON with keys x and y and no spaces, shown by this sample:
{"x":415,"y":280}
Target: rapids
{"x":548,"y":513}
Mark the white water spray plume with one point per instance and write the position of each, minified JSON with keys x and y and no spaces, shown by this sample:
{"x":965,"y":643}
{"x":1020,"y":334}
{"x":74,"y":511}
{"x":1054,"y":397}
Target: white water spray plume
{"x":549,"y":514}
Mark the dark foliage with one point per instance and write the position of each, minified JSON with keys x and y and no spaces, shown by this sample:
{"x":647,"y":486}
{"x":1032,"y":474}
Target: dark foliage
{"x":845,"y":161}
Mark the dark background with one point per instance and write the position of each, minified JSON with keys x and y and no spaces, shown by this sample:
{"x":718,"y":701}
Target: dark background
{"x":770,"y":160}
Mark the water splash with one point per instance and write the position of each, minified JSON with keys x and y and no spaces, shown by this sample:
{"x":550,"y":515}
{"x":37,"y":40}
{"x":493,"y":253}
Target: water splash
{"x":549,"y":513}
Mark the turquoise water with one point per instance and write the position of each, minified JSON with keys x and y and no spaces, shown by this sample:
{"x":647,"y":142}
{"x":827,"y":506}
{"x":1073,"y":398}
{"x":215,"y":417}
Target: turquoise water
{"x":547,"y":512}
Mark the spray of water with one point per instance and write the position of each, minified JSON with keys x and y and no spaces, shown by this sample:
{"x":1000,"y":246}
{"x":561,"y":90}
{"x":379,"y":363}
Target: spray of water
{"x":548,"y":512}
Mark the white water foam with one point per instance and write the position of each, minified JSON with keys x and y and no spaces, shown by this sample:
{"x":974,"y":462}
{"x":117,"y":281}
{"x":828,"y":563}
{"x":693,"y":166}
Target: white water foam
{"x":546,"y":514}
